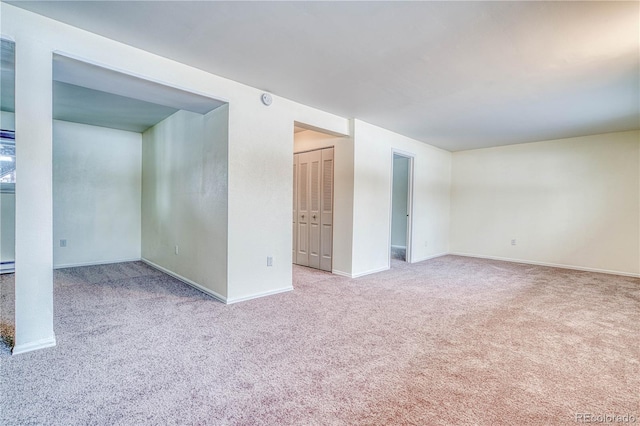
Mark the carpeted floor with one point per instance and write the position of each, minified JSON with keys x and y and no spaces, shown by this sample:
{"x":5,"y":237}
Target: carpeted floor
{"x":450,"y":341}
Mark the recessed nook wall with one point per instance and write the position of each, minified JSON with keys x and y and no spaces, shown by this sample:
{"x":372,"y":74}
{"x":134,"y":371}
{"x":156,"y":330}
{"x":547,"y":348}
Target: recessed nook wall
{"x":184,"y":198}
{"x":96,"y":194}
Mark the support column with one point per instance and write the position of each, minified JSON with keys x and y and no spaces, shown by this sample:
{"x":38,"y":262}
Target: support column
{"x":34,"y":212}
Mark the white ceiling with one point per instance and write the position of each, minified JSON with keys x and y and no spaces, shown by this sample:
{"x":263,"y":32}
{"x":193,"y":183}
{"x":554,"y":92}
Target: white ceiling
{"x":458,"y":75}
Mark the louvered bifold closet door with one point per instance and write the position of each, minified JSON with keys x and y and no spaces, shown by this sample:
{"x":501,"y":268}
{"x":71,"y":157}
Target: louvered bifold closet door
{"x":295,"y":207}
{"x":313,"y":208}
{"x":302,"y":246}
{"x":326,"y":224}
{"x":315,"y":201}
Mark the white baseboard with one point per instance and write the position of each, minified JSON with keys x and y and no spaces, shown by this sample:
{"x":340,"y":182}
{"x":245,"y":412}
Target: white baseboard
{"x":372,"y":271}
{"x":33,"y":346}
{"x":105,"y":262}
{"x":432,"y":256}
{"x":386,"y":268}
{"x":187,"y":281}
{"x":341,"y":273}
{"x":360,"y":274}
{"x":258,"y":295}
{"x":552,"y":265}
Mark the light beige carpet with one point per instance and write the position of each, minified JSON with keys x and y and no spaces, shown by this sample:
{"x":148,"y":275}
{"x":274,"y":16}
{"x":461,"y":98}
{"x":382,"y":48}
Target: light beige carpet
{"x":448,"y":341}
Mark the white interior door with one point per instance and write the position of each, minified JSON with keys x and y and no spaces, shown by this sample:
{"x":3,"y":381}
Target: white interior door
{"x":315,"y":189}
{"x":326,"y":233}
{"x":302,"y":248}
{"x":295,"y":208}
{"x":313,"y":209}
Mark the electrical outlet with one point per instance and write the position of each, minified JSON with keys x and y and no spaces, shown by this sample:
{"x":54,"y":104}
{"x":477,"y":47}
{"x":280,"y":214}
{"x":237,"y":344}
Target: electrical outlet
{"x":63,"y":243}
{"x":177,"y":251}
{"x":269,"y":261}
{"x":513,"y":242}
{"x":426,"y":244}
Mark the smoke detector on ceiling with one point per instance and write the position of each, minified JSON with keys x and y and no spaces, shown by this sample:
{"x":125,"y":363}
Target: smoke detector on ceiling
{"x":266,"y":99}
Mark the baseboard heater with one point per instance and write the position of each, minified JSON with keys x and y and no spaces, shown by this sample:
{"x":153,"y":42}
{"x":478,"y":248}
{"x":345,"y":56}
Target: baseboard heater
{"x":7,"y":267}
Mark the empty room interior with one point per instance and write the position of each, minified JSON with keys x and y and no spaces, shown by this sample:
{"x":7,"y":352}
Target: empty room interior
{"x":310,"y":213}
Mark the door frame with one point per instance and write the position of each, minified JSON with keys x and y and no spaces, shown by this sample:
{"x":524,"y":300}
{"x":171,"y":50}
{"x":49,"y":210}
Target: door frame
{"x":411,"y":158}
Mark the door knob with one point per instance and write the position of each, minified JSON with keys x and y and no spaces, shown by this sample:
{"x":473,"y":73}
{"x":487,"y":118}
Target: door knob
{"x":314,"y":216}
{"x":303,"y":216}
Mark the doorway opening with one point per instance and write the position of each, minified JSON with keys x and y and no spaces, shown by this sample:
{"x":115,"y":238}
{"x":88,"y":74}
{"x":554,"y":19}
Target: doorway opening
{"x":313,"y":200}
{"x":401,"y":207}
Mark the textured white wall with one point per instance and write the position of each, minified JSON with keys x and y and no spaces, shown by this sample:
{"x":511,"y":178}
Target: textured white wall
{"x":572,"y":202}
{"x":96,"y":194}
{"x":372,"y":198}
{"x":34,"y":218}
{"x":261,"y":189}
{"x":184,"y":197}
{"x":342,"y":194}
{"x":399,"y":201}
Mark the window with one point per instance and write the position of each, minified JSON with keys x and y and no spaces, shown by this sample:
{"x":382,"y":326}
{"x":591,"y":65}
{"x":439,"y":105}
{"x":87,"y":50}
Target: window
{"x":7,"y":160}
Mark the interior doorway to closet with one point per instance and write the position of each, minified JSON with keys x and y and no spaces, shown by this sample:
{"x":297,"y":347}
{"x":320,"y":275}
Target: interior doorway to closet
{"x":313,"y":177}
{"x":401,"y":211}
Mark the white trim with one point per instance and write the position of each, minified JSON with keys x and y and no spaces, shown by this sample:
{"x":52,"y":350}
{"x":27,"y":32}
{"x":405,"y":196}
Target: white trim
{"x":186,"y":281}
{"x":409,"y":236}
{"x":318,"y":129}
{"x":372,"y":271}
{"x":34,"y":346}
{"x":257,"y":295}
{"x":400,"y":247}
{"x":402,"y":153}
{"x":361,"y":274}
{"x":314,"y":149}
{"x":341,"y":273}
{"x":432,"y":256}
{"x":105,"y":262}
{"x":552,"y":265}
